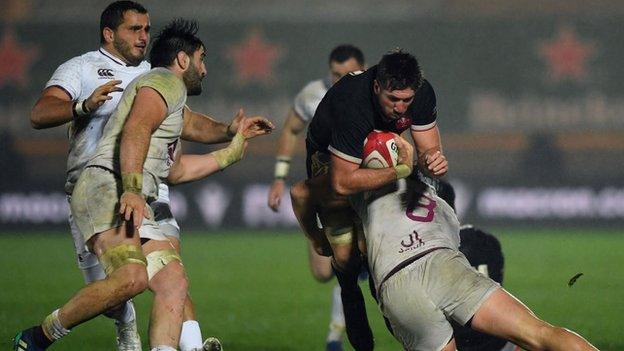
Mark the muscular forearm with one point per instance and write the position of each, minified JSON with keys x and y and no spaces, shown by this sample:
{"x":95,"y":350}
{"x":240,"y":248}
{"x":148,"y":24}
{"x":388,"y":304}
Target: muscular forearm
{"x":193,"y":167}
{"x":135,"y":141}
{"x":362,"y":179}
{"x":203,"y":129}
{"x":286,"y":144}
{"x":50,"y":112}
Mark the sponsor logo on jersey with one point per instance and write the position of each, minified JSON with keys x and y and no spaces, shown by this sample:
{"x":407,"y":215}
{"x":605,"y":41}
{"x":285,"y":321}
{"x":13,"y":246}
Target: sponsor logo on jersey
{"x":413,"y":241}
{"x":105,"y":73}
{"x":402,"y":124}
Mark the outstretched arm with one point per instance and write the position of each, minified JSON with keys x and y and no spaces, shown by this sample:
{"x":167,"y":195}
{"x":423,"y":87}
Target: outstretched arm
{"x":202,"y":128}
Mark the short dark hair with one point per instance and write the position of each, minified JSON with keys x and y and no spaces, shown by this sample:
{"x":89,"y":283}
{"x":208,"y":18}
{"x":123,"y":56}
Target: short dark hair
{"x":342,"y":53}
{"x":113,"y":15}
{"x":178,"y":35}
{"x":399,"y":70}
{"x":446,"y":192}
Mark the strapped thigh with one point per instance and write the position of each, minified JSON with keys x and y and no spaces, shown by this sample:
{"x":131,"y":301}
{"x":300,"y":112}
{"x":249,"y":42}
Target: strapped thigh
{"x":118,"y":256}
{"x":158,"y":259}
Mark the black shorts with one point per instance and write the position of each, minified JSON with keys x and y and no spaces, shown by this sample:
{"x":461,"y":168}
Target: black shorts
{"x":317,"y":161}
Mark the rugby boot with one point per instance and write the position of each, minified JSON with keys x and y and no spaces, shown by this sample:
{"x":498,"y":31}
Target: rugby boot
{"x":26,"y":341}
{"x":212,"y":344}
{"x":128,"y":338}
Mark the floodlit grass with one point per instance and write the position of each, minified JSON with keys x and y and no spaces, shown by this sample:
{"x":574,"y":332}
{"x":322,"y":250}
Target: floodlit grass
{"x":254,"y":291}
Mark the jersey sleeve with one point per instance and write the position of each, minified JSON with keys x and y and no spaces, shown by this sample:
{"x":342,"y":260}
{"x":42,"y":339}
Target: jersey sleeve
{"x":425,"y":110}
{"x":68,"y":77}
{"x":303,"y":104}
{"x":350,"y":129}
{"x":170,"y":88}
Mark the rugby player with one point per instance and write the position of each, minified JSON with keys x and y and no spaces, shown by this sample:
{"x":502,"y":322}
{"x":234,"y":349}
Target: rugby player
{"x":75,"y":94}
{"x":423,"y":280}
{"x":342,"y":60}
{"x":133,"y":157}
{"x":484,"y":253}
{"x":391,"y":96}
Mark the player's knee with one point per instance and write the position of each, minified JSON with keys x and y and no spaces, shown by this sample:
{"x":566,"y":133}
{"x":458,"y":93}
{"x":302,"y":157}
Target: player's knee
{"x":299,"y":192}
{"x":133,"y":281}
{"x":171,"y":281}
{"x":322,"y":274}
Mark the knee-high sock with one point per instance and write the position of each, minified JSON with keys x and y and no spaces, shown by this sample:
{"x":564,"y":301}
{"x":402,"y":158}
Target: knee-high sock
{"x":358,"y":329}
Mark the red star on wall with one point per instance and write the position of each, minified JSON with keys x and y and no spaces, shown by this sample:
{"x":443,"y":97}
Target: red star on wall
{"x":15,"y":60}
{"x":254,"y":59}
{"x":567,"y":55}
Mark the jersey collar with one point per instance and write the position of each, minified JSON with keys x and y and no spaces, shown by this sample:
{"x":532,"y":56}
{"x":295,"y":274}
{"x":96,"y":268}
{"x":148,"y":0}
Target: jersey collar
{"x":112,"y":57}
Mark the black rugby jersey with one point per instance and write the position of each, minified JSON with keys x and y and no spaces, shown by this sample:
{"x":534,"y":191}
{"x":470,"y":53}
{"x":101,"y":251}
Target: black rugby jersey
{"x":350,"y":111}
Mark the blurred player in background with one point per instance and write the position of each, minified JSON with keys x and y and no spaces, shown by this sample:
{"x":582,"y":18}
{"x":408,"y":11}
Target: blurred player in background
{"x":391,"y":96}
{"x":484,"y":252}
{"x":423,"y":280}
{"x":75,"y":94}
{"x":342,"y":60}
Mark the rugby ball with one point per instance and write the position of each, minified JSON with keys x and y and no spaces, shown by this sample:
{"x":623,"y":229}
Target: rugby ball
{"x":380,"y":150}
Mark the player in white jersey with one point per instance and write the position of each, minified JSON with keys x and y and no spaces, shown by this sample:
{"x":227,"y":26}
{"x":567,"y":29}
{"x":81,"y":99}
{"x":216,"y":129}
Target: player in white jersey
{"x":138,"y":145}
{"x":75,"y":93}
{"x":342,"y":60}
{"x":423,"y":280}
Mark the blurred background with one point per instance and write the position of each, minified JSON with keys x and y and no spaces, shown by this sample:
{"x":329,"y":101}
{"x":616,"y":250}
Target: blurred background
{"x":529,"y":99}
{"x":530,"y":103}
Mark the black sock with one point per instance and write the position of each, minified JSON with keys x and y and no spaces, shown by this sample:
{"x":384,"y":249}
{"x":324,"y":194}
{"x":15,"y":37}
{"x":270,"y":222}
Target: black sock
{"x":39,"y":337}
{"x":358,"y":329}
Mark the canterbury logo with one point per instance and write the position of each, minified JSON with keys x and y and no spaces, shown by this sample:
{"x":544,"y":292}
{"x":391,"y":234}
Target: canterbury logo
{"x":105,"y":72}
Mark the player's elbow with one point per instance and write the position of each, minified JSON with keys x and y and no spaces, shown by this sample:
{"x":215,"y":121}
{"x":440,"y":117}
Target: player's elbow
{"x":36,"y":120}
{"x":341,"y":187}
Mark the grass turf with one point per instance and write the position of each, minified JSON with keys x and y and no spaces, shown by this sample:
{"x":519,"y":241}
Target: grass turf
{"x":253,"y":289}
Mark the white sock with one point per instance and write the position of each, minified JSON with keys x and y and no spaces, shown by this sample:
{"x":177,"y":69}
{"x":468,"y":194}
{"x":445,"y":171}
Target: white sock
{"x":337,"y":323}
{"x":190,"y":338}
{"x":52,"y":327}
{"x":163,"y":348}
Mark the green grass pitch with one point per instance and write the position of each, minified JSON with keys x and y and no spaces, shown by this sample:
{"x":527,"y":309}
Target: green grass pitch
{"x":253,"y":289}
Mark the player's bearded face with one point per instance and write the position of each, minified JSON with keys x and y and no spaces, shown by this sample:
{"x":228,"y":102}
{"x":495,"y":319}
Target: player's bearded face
{"x":132,"y":37}
{"x":195,"y":73}
{"x":394,"y":103}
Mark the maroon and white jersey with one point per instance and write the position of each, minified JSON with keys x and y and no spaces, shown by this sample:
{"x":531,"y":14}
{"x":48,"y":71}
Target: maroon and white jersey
{"x":394,"y":235}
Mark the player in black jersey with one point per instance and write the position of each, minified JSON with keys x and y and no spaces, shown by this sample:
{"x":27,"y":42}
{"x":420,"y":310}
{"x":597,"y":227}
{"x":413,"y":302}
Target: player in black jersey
{"x":484,"y":252}
{"x":391,"y":96}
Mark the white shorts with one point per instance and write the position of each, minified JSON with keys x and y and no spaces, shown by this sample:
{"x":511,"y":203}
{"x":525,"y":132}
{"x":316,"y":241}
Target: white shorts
{"x":419,"y":299}
{"x":95,"y":205}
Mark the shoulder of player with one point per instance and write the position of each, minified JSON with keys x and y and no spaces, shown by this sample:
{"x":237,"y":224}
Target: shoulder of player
{"x":313,"y":88}
{"x":425,"y":90}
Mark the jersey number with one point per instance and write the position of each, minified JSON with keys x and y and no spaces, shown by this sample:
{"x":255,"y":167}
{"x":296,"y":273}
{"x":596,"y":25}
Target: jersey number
{"x":429,"y":206}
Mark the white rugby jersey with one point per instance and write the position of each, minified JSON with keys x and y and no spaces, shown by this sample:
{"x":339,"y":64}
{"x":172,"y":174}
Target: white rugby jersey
{"x":164,"y":141}
{"x":394,"y":234}
{"x":308,"y":99}
{"x":79,"y":77}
